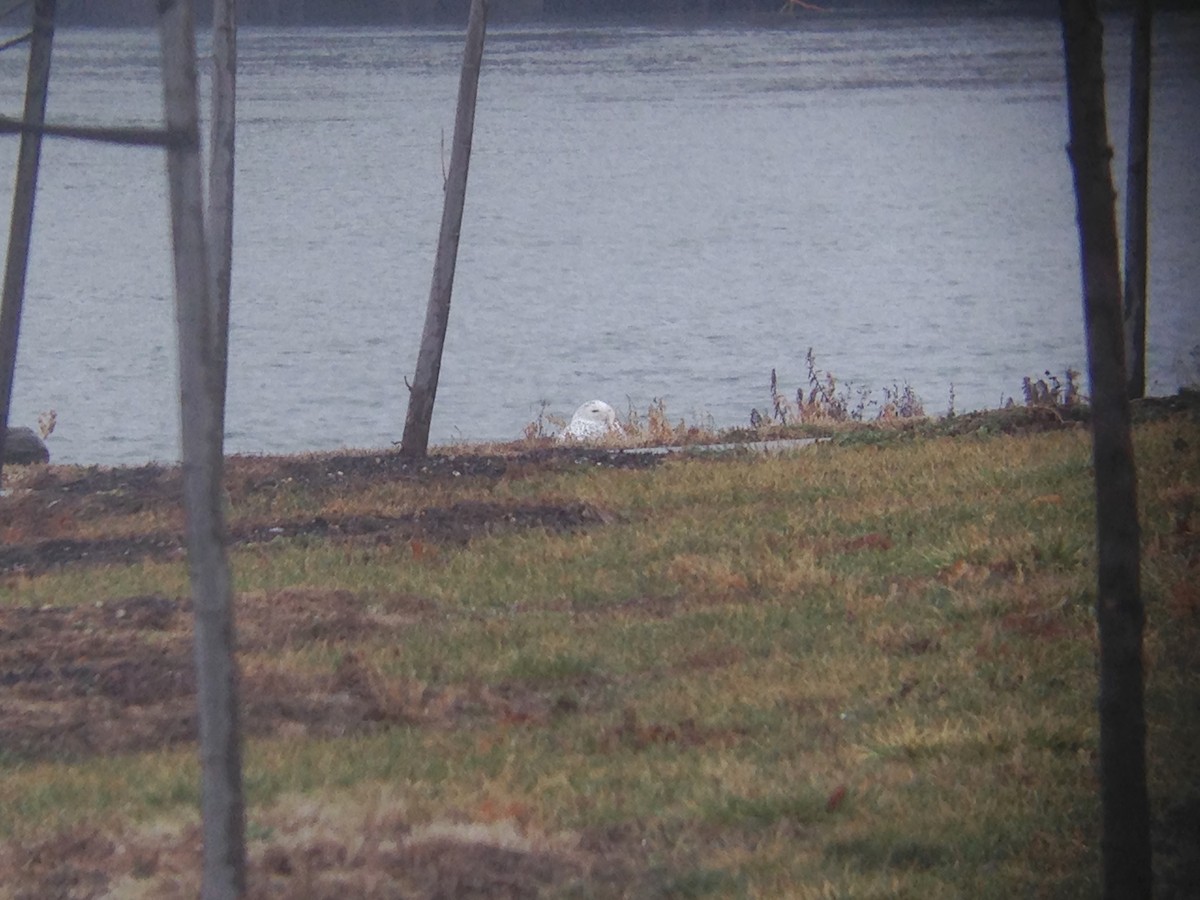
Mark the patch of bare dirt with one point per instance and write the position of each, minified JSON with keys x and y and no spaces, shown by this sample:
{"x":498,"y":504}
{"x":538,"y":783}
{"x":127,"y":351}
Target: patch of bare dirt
{"x":36,"y":522}
{"x":455,"y":524}
{"x":123,"y":489}
{"x":313,"y":858}
{"x":118,"y":676}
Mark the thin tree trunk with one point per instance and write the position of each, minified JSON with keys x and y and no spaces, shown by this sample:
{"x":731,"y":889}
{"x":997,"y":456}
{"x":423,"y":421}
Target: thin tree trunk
{"x":415,"y":441}
{"x":1125,"y":843}
{"x":1137,"y":199}
{"x":24,"y":195}
{"x":224,"y":866}
{"x":220,"y":187}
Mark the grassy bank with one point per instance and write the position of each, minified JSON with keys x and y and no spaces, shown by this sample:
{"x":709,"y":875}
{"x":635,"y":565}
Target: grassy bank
{"x":861,"y":669}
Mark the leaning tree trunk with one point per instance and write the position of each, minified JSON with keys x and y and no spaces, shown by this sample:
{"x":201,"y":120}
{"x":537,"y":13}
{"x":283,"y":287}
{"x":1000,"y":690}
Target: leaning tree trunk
{"x":220,"y":188}
{"x":1125,"y":842}
{"x":41,"y":41}
{"x":222,"y":801}
{"x":1136,"y":199}
{"x":415,"y":441}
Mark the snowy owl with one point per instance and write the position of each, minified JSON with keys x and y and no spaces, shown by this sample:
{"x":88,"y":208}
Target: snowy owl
{"x":591,"y":421}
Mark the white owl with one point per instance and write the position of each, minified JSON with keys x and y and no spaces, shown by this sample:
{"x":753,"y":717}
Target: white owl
{"x":592,"y":421}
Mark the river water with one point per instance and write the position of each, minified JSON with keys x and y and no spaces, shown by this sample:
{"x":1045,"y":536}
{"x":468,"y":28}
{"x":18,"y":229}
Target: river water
{"x":652,"y":213}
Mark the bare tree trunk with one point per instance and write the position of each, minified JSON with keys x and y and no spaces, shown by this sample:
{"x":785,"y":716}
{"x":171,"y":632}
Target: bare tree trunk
{"x":220,"y":188}
{"x":24,"y":195}
{"x":1125,"y":806}
{"x":415,"y":441}
{"x":222,"y":801}
{"x":1136,"y":198}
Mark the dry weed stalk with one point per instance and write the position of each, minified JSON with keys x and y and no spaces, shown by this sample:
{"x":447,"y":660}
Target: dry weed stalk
{"x":46,"y":422}
{"x":825,"y":401}
{"x":1049,"y":392}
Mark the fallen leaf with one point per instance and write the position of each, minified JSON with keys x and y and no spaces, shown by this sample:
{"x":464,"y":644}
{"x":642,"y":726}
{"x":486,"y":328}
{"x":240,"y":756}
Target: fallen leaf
{"x":835,"y":798}
{"x":1047,"y":499}
{"x":956,"y":571}
{"x":872,"y":541}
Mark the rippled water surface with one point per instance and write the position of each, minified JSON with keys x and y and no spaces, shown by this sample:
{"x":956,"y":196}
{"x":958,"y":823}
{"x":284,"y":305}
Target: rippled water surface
{"x":651,"y":214}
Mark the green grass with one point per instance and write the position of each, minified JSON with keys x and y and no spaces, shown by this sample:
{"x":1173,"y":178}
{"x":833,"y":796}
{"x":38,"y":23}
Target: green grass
{"x":853,"y":671}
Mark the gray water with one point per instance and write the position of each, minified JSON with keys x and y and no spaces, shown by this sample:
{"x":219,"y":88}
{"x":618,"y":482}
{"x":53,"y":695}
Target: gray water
{"x":652,"y":213}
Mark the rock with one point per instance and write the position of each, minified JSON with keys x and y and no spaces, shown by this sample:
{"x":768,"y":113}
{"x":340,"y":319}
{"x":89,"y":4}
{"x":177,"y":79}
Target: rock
{"x":23,"y":447}
{"x":591,"y":421}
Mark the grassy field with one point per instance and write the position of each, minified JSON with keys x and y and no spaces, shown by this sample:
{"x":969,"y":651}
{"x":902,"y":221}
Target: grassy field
{"x":865,"y":668}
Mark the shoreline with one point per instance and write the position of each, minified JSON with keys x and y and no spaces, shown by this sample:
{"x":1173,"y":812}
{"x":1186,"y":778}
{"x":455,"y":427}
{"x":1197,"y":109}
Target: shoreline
{"x":1003,"y":420}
